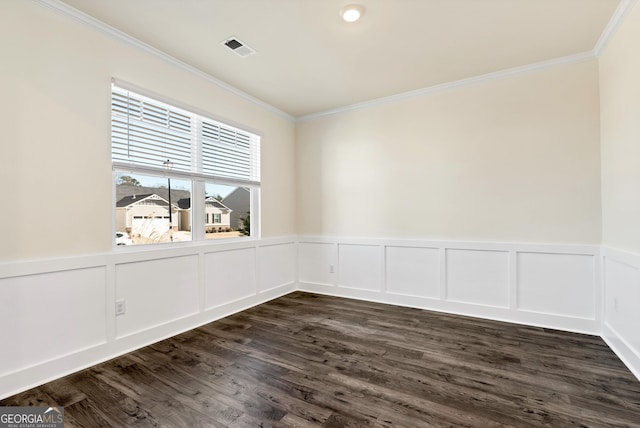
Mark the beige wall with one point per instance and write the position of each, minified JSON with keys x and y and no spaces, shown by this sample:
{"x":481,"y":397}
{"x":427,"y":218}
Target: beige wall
{"x":516,"y":159}
{"x":55,"y":77}
{"x":620,"y":136}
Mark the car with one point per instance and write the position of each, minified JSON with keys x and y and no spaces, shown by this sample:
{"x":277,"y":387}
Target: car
{"x":123,"y":238}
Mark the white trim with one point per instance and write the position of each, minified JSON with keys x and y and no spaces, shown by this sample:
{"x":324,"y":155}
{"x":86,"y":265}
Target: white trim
{"x":625,"y":347}
{"x":622,"y":256}
{"x":529,"y":247}
{"x":622,"y":349}
{"x":450,"y":86}
{"x":94,"y":23}
{"x":536,"y":319}
{"x":13,"y":269}
{"x":623,"y":9}
{"x":133,"y":254}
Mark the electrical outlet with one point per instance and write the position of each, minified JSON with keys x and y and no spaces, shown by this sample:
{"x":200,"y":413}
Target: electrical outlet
{"x":120,"y":307}
{"x":332,"y":269}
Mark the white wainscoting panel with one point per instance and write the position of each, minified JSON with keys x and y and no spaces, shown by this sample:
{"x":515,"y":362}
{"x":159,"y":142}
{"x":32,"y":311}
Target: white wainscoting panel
{"x":559,"y":284}
{"x":62,"y":311}
{"x":48,"y":315}
{"x":622,"y":305}
{"x":172,"y":289}
{"x":413,"y":271}
{"x":502,"y":281}
{"x":156,"y":292}
{"x":359,"y":267}
{"x":316,"y":262}
{"x":229,"y":276}
{"x":276,"y":265}
{"x":478,"y":276}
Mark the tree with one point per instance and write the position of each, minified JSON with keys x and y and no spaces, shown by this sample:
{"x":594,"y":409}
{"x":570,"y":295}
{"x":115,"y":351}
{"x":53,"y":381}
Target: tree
{"x":218,"y":197}
{"x":245,"y":226}
{"x":127,"y":180}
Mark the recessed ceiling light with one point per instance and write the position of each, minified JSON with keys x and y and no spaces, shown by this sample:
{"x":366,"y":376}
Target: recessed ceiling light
{"x":352,"y":12}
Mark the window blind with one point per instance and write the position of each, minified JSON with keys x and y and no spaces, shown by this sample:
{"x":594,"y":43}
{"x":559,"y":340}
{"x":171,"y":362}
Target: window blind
{"x":146,"y":132}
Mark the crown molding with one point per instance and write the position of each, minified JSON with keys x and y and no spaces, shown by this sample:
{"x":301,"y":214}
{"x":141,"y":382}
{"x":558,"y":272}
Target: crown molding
{"x":96,"y":24}
{"x":623,"y":9}
{"x":449,"y":86}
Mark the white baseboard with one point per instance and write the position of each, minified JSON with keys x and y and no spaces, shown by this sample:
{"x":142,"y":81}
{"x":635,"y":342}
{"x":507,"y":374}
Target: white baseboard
{"x":577,"y":325}
{"x":627,"y":354}
{"x":621,"y":305}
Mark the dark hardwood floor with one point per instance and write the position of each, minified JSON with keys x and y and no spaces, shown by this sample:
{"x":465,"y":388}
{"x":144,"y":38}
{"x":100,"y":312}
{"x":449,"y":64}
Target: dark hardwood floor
{"x":310,"y":360}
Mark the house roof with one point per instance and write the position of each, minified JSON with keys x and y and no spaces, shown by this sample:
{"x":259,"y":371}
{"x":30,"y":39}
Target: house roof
{"x":216,"y":203}
{"x":124,"y":190}
{"x":132,"y":199}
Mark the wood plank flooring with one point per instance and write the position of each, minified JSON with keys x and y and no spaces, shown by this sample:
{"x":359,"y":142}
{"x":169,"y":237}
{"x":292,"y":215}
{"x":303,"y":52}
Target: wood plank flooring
{"x":310,"y":360}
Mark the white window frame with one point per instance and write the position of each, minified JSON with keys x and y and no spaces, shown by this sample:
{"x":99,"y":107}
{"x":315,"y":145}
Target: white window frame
{"x":198,"y":179}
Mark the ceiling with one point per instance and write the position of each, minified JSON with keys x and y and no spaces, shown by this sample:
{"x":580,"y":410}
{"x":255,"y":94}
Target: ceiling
{"x":308,"y":60}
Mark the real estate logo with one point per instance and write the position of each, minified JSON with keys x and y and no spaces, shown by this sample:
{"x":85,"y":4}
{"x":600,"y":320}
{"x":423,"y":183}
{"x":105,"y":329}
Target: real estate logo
{"x":31,"y":417}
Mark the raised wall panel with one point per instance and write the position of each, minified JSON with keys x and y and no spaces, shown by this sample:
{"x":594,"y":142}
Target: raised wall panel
{"x":156,"y":292}
{"x":561,"y":284}
{"x":315,"y":261}
{"x":48,"y":315}
{"x":276,"y":265}
{"x":359,"y":266}
{"x":622,"y":300}
{"x":229,"y":276}
{"x":413,"y":271}
{"x":478,"y":276}
{"x":163,"y":289}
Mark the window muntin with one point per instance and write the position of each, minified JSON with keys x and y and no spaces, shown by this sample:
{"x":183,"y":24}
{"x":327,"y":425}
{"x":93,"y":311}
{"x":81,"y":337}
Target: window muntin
{"x":155,"y":139}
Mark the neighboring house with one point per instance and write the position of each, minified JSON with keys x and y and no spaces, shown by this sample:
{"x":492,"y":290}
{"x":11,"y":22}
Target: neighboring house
{"x":217,"y":215}
{"x":144,"y":215}
{"x":239,"y":201}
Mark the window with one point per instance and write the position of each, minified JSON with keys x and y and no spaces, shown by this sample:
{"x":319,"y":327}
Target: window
{"x":229,"y":208}
{"x":174,"y":169}
{"x":153,"y":209}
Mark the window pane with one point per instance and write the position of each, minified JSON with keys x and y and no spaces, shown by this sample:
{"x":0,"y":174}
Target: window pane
{"x":142,"y":209}
{"x":227,"y":211}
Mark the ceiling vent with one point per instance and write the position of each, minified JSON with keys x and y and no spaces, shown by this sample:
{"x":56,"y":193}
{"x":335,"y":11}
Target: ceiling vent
{"x":239,"y":47}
